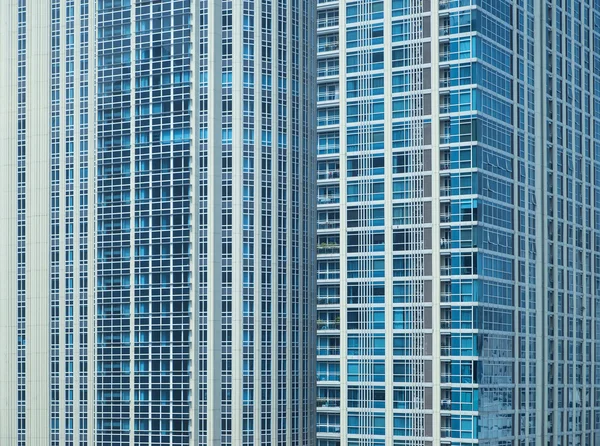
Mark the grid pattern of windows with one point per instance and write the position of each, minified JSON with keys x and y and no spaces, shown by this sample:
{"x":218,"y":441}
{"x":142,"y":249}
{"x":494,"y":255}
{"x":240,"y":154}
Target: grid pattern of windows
{"x":226,"y":240}
{"x":516,"y":178}
{"x":180,"y":235}
{"x":21,"y":226}
{"x":527,"y":276}
{"x":200,"y":220}
{"x":410,"y":263}
{"x":68,"y":185}
{"x":475,"y":262}
{"x":82,"y":245}
{"x":55,"y":147}
{"x":567,"y":108}
{"x":328,"y":271}
{"x":162,"y":209}
{"x":516,"y":267}
{"x":66,"y":236}
{"x":69,"y":219}
{"x":113,"y":310}
{"x":267,"y":231}
{"x":158,"y":160}
{"x":144,"y":216}
{"x":360,"y":180}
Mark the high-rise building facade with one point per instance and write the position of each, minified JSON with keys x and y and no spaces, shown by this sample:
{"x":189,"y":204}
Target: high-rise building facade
{"x":458,"y":222}
{"x":158,"y":222}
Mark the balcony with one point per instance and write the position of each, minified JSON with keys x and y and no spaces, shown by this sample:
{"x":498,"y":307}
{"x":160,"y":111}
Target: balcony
{"x":328,"y":224}
{"x":329,"y":96}
{"x":446,"y":296}
{"x":328,"y":175}
{"x":328,"y":199}
{"x":328,"y":402}
{"x":327,"y":22}
{"x":328,"y":275}
{"x":328,"y":324}
{"x":328,"y":248}
{"x":446,"y":378}
{"x":329,"y":71}
{"x":330,"y":428}
{"x":445,"y":77}
{"x":445,"y":139}
{"x":445,"y":324}
{"x":329,"y":300}
{"x":329,"y":149}
{"x":328,"y":377}
{"x":328,"y":120}
{"x":329,"y":46}
{"x":328,"y":351}
{"x":446,"y":431}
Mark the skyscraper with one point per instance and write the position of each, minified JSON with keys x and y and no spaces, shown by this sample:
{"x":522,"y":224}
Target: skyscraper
{"x":458,"y":222}
{"x":157,"y":227}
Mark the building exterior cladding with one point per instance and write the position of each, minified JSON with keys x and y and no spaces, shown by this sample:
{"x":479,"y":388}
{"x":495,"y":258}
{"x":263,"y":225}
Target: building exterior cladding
{"x":458,"y":222}
{"x":158,"y":222}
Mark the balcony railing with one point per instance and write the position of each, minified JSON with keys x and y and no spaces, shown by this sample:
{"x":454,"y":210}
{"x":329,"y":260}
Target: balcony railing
{"x":329,"y":120}
{"x":445,"y":139}
{"x":328,"y":224}
{"x":329,"y":46}
{"x":328,"y":96}
{"x":328,"y":275}
{"x":328,"y":402}
{"x":328,"y":249}
{"x":332,"y":428}
{"x":328,"y":199}
{"x":328,"y":175}
{"x":328,"y":325}
{"x":446,"y":432}
{"x":328,"y":376}
{"x":328,"y":149}
{"x":327,"y":22}
{"x":330,"y":300}
{"x":328,"y":351}
{"x":323,"y":72}
{"x":446,"y":296}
